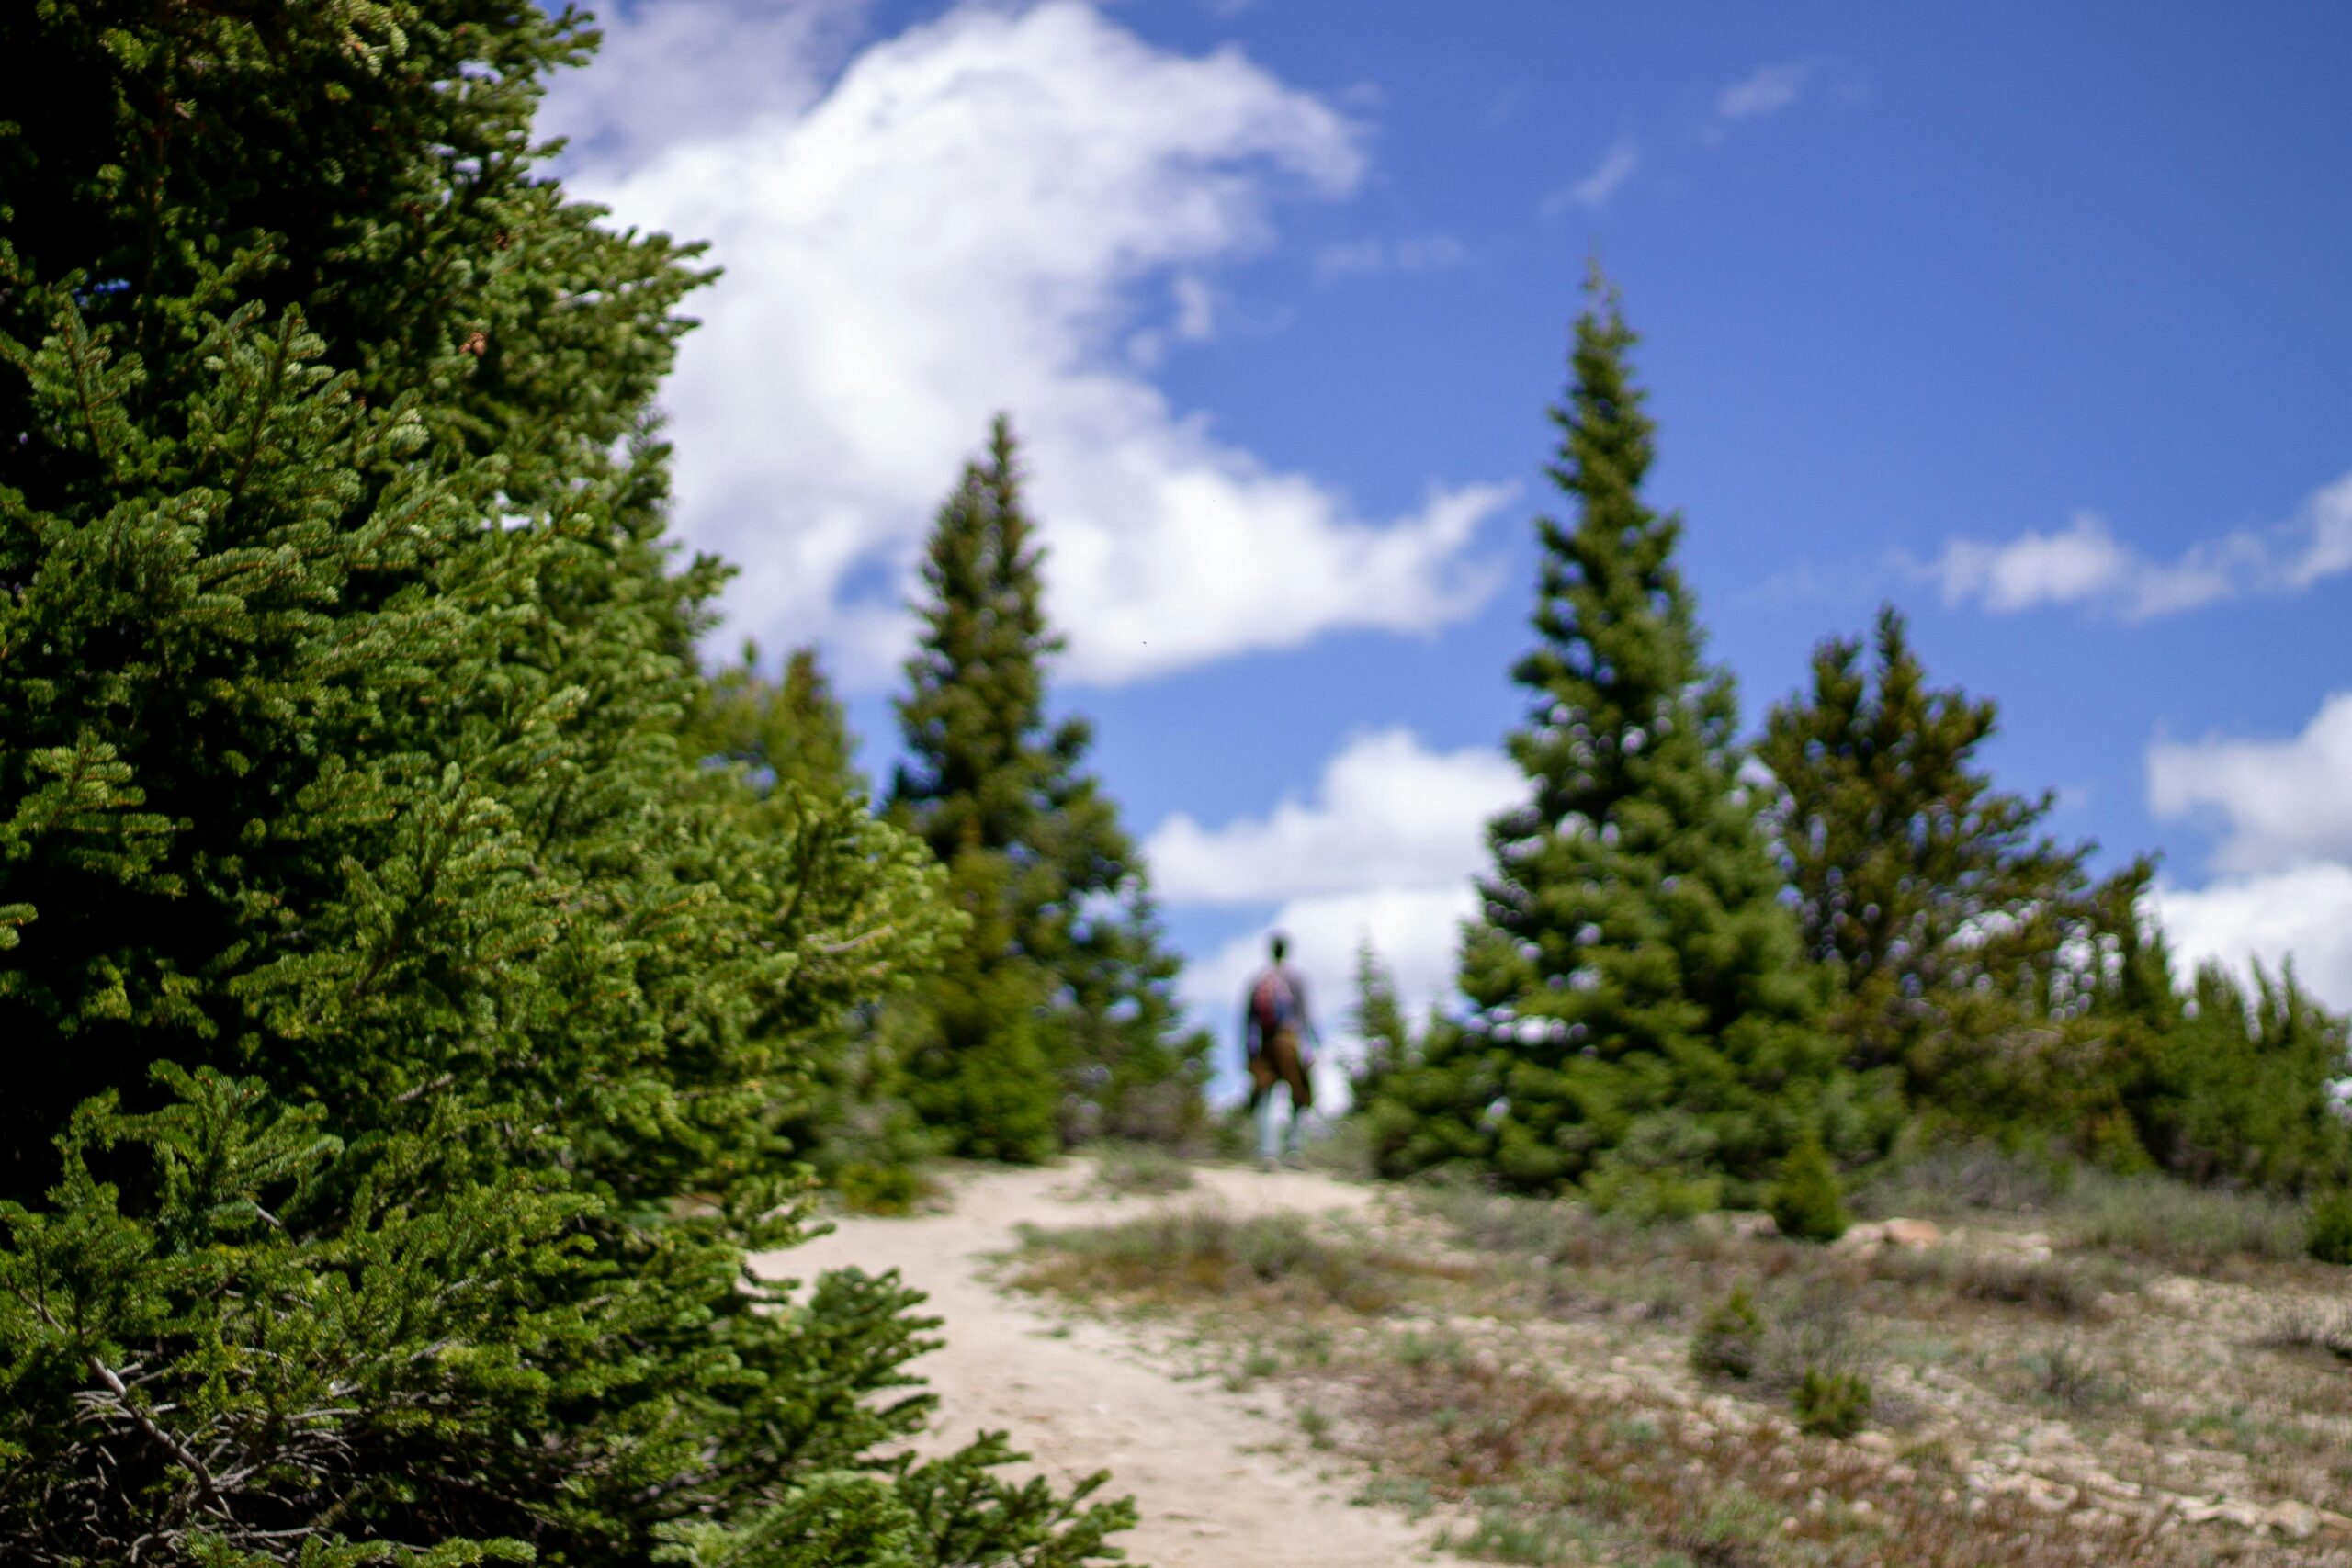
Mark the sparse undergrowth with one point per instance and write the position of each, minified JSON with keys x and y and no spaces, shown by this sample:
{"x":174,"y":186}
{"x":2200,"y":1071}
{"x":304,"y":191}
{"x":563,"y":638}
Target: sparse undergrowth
{"x":2155,"y":1219}
{"x":1578,"y":1389}
{"x":1194,"y":1256}
{"x":1140,"y":1170}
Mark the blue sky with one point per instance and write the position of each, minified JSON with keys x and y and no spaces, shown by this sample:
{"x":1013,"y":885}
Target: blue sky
{"x":2032,"y":319}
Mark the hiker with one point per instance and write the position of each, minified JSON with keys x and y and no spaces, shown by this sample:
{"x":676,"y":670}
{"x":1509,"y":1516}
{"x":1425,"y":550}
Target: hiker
{"x":1274,"y":1032}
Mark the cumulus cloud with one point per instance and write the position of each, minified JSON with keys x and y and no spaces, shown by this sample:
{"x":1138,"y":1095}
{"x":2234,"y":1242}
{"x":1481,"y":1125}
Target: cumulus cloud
{"x":2086,"y":566}
{"x":2303,"y":915}
{"x":1386,"y":814}
{"x":2286,"y":852}
{"x":2285,"y":802}
{"x":688,"y":70}
{"x":1001,"y":208}
{"x":1384,"y":851}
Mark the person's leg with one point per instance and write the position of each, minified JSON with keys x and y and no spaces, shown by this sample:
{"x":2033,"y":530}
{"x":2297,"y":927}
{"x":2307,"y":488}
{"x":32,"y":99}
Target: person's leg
{"x":1293,"y":1065}
{"x":1262,"y":1079}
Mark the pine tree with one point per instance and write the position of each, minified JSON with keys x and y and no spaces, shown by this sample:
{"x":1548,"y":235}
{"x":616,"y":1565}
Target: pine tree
{"x":1380,"y":1024}
{"x":1974,"y":955}
{"x":785,"y":735}
{"x":382,"y":966}
{"x":789,"y":754}
{"x":1060,"y":1019}
{"x":1644,"y":1024}
{"x":2245,"y":1086}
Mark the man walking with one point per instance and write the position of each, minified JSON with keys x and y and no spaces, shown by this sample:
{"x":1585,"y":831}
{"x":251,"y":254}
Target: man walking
{"x":1275,"y":1029}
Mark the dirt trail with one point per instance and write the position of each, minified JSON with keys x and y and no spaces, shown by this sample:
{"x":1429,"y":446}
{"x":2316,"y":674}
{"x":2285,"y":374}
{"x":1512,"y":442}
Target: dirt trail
{"x":1086,"y":1396}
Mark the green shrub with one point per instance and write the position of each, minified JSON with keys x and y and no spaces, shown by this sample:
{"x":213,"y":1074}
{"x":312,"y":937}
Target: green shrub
{"x":1652,"y":1197}
{"x":1833,"y":1405}
{"x":2329,"y":1236}
{"x":1730,"y":1339}
{"x":1808,"y":1202}
{"x":2074,"y":1380}
{"x":866,"y":1187}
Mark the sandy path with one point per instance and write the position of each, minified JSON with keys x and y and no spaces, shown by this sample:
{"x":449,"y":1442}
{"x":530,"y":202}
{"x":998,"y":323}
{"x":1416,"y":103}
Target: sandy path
{"x":1083,"y":1395}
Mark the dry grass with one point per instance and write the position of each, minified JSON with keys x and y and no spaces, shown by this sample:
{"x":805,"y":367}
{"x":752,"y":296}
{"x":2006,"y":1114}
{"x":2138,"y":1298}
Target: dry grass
{"x":2323,"y":1327}
{"x":2192,"y":1228}
{"x":2076,"y":1289}
{"x":1173,"y":1257}
{"x":1140,"y":1170}
{"x":1553,"y":1467}
{"x":2039,"y":1399}
{"x":2198,"y":1229}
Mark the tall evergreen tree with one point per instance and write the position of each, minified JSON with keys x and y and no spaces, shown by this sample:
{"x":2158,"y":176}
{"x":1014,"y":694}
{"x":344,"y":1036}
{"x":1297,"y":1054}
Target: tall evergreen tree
{"x":1060,"y":1019}
{"x":1644,"y":1024}
{"x":1918,"y":881}
{"x":1973,"y":954}
{"x":381,"y":968}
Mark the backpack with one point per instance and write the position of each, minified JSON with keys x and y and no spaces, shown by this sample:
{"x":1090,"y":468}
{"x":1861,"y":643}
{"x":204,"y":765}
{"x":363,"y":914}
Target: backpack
{"x":1271,"y":1007}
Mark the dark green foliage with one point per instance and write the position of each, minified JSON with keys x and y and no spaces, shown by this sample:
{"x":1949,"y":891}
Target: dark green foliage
{"x":865,"y":1187}
{"x":786,"y":737}
{"x":978,"y":1070}
{"x":1973,"y":955}
{"x":1729,"y":1340}
{"x":2330,"y":1235}
{"x":282,"y":1330}
{"x":1059,"y":1020}
{"x":1832,"y":1405}
{"x":2019,"y":1000}
{"x":341,"y":761}
{"x":787,"y":746}
{"x":1645,"y":1024}
{"x":1917,"y":881}
{"x":1808,"y":1202}
{"x":2244,"y":1087}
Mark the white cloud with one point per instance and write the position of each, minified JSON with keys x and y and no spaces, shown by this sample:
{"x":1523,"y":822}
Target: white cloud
{"x":1386,"y":851}
{"x":2287,"y":802}
{"x":2082,"y":564}
{"x":992,"y":210}
{"x":2303,"y":914}
{"x":2286,"y":858}
{"x":688,"y":70}
{"x":1388,"y":814}
{"x":1616,"y":166}
{"x":1766,"y":91}
{"x":2087,"y":565}
{"x":2325,"y":527}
